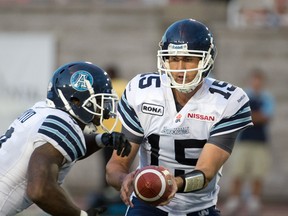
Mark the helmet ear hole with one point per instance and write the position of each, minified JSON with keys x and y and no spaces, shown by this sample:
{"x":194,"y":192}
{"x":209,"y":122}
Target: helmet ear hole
{"x":75,"y":101}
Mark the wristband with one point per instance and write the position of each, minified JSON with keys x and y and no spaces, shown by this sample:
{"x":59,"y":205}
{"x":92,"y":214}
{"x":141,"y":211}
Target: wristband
{"x":83,"y":213}
{"x":98,"y":140}
{"x":193,"y":181}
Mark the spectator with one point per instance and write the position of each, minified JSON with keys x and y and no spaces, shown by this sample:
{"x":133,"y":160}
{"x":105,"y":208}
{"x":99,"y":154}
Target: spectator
{"x":282,"y":12}
{"x":256,"y":13}
{"x":253,"y":146}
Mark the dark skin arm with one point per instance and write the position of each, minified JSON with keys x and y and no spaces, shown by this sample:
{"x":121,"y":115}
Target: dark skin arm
{"x":42,"y":186}
{"x":91,"y":145}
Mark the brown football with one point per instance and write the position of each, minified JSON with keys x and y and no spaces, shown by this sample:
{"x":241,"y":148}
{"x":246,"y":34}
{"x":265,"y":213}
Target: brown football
{"x":153,"y":184}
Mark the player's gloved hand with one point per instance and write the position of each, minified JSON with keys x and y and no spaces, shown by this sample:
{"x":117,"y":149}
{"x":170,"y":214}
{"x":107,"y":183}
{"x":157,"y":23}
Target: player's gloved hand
{"x":116,"y":141}
{"x":96,"y":211}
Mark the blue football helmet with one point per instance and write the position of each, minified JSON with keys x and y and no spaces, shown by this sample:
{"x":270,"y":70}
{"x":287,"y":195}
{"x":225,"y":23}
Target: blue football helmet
{"x":84,"y":90}
{"x":186,"y":37}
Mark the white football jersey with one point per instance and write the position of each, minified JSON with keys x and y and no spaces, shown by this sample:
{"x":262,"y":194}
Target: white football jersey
{"x":175,"y":139}
{"x":35,"y":127}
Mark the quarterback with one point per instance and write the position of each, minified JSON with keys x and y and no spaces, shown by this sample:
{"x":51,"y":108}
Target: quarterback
{"x":183,"y":120}
{"x":44,"y":142}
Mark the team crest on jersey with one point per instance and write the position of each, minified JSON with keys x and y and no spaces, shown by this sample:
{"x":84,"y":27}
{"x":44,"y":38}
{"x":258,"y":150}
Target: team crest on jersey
{"x":152,"y":109}
{"x":178,"y":118}
{"x":79,"y":78}
{"x":201,"y":117}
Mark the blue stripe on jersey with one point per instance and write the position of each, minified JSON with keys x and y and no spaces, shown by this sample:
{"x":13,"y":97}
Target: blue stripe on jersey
{"x":237,"y":121}
{"x":128,"y":115}
{"x":65,"y":135}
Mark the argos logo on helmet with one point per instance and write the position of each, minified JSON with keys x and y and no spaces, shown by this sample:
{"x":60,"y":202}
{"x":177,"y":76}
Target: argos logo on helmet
{"x":79,"y":80}
{"x":152,"y":109}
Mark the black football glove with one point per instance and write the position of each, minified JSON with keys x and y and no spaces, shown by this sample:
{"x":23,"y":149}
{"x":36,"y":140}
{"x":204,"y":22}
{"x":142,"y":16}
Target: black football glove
{"x":96,"y":211}
{"x":118,"y":142}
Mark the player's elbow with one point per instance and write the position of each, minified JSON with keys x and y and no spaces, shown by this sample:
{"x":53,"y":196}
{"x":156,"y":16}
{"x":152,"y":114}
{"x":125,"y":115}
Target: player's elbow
{"x":115,"y":174}
{"x":36,"y":193}
{"x":109,"y":176}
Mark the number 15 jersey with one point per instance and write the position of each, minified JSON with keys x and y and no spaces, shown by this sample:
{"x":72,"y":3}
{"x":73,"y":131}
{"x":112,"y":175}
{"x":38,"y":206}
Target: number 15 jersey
{"x":174,"y":139}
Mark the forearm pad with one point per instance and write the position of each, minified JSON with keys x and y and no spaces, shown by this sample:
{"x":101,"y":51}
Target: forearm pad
{"x":193,"y":181}
{"x":102,"y":140}
{"x":98,"y":139}
{"x":83,"y":213}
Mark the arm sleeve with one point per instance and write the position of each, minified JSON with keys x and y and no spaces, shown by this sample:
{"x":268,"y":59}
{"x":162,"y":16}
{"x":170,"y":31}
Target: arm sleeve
{"x":237,"y":117}
{"x":63,"y":137}
{"x":132,"y":137}
{"x":126,"y":112}
{"x":225,"y":142}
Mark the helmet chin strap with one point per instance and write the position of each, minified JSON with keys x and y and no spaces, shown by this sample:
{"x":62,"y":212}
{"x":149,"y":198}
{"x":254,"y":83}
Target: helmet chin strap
{"x":67,"y":105}
{"x":198,"y":79}
{"x":91,"y":91}
{"x":192,"y":87}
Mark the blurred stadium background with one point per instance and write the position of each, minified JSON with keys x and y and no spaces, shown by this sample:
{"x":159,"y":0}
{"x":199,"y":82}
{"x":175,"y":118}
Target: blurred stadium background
{"x":37,"y":36}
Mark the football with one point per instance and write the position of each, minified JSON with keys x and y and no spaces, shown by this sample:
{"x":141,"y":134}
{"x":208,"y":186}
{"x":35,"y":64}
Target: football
{"x":153,"y":184}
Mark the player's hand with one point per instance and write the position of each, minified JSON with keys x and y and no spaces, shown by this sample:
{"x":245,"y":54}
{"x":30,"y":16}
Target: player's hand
{"x":96,"y":211}
{"x":174,"y":190}
{"x":118,"y":142}
{"x":127,"y":189}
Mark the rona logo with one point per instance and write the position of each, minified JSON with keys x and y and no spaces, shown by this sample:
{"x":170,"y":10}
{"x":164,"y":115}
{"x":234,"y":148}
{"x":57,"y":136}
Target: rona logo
{"x":152,"y":109}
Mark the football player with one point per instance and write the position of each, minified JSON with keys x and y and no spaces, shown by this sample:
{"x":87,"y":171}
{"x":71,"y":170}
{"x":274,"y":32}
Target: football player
{"x":44,"y":142}
{"x":181,"y":119}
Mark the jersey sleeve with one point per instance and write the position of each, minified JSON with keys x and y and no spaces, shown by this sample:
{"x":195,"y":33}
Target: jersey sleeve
{"x":236,"y":116}
{"x":126,"y":111}
{"x":63,"y":136}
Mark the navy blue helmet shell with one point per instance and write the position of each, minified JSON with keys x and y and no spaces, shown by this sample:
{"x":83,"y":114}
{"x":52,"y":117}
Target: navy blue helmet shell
{"x":191,"y":32}
{"x":78,"y":81}
{"x":186,"y":37}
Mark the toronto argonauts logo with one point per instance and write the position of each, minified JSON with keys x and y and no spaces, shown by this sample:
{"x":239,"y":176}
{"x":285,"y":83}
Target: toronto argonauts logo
{"x":78,"y":80}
